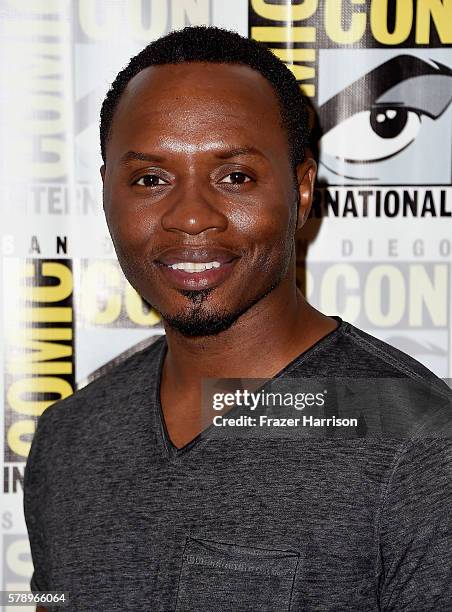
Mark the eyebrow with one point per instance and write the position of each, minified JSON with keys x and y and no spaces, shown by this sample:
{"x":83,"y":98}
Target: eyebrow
{"x":237,"y":151}
{"x":226,"y":154}
{"x":138,"y":156}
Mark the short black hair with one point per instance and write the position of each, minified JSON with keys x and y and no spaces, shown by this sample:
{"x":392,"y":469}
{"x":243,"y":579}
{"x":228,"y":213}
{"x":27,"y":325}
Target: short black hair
{"x":217,"y":45}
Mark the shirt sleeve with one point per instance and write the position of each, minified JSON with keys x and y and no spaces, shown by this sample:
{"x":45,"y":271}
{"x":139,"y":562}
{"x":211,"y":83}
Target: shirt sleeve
{"x":34,"y":503}
{"x":415,"y":543}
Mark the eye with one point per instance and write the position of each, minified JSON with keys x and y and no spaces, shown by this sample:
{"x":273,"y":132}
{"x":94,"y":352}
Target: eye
{"x":236,"y":178}
{"x":150,"y":180}
{"x":372,"y":135}
{"x":388,"y":122}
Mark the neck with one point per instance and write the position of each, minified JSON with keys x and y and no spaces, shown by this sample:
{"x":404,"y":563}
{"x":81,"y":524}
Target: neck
{"x":258,"y":345}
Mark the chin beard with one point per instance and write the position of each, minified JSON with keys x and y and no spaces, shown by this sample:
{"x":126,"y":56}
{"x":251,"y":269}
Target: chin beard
{"x":197,"y":321}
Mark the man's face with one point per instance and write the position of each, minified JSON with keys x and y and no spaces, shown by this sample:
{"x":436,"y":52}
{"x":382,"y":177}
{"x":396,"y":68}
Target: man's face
{"x":204,"y":227}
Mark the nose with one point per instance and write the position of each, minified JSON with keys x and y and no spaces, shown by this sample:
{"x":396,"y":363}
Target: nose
{"x":194,"y":210}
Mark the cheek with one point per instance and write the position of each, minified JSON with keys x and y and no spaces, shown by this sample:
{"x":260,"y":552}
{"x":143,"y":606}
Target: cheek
{"x":130,"y":226}
{"x":267,"y":222}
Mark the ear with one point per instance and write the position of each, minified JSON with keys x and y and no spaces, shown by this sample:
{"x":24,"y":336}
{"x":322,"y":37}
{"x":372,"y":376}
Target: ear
{"x":306,"y":172}
{"x":102,"y":172}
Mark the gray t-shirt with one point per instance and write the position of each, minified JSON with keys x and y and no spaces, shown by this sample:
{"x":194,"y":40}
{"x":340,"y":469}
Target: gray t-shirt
{"x":121,"y":519}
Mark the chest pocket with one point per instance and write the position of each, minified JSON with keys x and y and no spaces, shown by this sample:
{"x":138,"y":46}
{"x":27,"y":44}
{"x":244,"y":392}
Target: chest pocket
{"x":217,"y":577}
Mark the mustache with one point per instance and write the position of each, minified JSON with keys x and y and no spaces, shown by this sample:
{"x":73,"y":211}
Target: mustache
{"x":155,"y":251}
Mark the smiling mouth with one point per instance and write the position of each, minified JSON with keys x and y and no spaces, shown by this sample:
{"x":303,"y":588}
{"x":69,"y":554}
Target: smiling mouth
{"x":197,"y":275}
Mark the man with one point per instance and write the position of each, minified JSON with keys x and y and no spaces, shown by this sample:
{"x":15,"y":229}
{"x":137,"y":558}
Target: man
{"x":131,"y":504}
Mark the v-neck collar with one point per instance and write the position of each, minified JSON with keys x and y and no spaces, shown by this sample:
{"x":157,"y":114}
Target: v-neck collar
{"x":173,"y":451}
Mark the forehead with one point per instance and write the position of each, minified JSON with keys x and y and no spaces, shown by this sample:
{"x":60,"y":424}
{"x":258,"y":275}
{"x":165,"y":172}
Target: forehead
{"x":197,"y":101}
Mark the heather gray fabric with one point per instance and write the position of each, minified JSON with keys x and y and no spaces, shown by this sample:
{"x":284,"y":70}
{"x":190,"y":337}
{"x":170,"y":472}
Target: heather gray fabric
{"x":122,"y":520}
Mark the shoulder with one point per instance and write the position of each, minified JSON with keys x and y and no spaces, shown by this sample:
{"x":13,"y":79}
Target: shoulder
{"x":409,"y":389}
{"x":109,"y":389}
{"x":368,"y":354}
{"x":388,"y":391}
{"x":95,"y":419}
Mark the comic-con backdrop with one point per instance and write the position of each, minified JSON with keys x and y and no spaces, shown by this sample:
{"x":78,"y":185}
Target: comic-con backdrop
{"x":376,"y":250}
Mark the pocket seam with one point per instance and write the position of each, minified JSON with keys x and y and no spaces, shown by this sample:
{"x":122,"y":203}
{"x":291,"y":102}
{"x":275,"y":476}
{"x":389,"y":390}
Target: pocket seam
{"x":294,"y":553}
{"x":187,"y":538}
{"x":290,"y":552}
{"x":293,"y":583}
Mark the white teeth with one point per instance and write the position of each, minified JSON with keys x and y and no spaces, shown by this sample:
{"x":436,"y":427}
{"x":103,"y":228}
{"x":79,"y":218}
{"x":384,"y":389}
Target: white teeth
{"x":195,"y":267}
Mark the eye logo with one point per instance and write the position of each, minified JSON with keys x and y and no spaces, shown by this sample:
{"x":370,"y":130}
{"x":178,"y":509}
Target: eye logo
{"x":380,"y":115}
{"x":389,"y":122}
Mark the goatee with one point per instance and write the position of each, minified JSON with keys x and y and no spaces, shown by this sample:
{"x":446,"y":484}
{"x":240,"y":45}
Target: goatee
{"x":197,"y":321}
